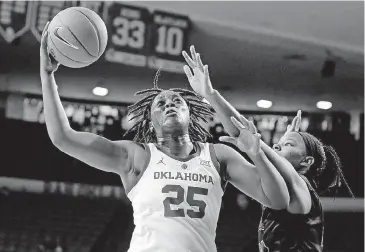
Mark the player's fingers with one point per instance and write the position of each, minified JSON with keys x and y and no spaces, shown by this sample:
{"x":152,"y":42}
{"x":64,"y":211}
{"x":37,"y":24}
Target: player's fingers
{"x":298,"y":122}
{"x":44,"y":46}
{"x":57,"y":66}
{"x":294,"y":122}
{"x":44,"y":38}
{"x":237,"y":123}
{"x":206,"y":73}
{"x":53,"y":61}
{"x":244,"y":120}
{"x":188,"y":60}
{"x":193,"y":53}
{"x":199,"y":62}
{"x":252,"y":127}
{"x":291,"y":126}
{"x":45,"y":29}
{"x":188,"y":72}
{"x":288,"y":128}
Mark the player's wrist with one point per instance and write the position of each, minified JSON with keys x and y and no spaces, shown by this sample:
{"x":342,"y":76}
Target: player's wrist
{"x":47,"y":73}
{"x":256,"y":154}
{"x":211,"y":95}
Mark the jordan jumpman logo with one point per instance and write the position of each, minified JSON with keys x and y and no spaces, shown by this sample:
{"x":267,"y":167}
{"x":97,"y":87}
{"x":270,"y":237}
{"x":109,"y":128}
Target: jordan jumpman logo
{"x":161,"y":162}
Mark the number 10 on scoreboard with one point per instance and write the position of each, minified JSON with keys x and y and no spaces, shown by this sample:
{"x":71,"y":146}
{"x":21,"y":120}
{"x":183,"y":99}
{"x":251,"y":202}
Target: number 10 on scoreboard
{"x":170,"y":33}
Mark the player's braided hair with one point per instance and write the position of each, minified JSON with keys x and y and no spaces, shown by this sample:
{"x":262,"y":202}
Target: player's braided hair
{"x":141,"y":110}
{"x":326,"y":171}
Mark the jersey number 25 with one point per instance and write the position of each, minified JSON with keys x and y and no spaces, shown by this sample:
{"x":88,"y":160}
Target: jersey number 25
{"x":180,"y":212}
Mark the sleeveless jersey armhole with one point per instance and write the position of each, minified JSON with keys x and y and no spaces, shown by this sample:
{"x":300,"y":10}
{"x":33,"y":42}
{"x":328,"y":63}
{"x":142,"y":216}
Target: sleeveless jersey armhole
{"x":148,"y":159}
{"x":221,"y":169}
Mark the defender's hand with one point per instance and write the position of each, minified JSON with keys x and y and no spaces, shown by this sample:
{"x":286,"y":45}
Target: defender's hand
{"x":200,"y":80}
{"x":295,"y":125}
{"x":248,"y":140}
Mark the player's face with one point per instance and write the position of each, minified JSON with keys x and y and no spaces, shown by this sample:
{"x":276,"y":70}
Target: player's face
{"x":292,"y":147}
{"x":169,"y":110}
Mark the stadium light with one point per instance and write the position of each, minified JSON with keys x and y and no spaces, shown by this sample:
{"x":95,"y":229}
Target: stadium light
{"x":264,"y":104}
{"x":100,"y":91}
{"x":324,"y":105}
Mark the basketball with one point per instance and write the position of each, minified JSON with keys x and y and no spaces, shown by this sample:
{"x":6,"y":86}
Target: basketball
{"x":77,"y":37}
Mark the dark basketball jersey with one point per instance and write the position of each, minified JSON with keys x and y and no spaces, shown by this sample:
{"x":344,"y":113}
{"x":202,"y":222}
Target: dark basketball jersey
{"x":281,"y":231}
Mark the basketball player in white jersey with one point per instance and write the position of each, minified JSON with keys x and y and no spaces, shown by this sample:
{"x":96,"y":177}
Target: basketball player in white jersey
{"x":170,"y":174}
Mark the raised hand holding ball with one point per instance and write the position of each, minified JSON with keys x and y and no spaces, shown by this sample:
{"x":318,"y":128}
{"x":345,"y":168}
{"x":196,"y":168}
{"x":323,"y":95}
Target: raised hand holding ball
{"x":77,"y":37}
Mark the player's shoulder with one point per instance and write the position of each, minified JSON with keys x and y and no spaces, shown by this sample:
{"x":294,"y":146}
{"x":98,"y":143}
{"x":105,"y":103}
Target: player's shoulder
{"x":222,"y":151}
{"x":133,"y":149}
{"x":127,"y":144}
{"x":137,"y":155}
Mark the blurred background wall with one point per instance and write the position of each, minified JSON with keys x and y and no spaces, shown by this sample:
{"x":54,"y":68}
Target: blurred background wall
{"x":293,"y":54}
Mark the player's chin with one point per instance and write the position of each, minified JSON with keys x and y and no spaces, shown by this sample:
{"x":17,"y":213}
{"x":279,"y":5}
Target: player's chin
{"x":171,"y":121}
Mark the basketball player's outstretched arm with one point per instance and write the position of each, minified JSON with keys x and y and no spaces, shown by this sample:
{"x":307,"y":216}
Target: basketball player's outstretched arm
{"x":300,"y":201}
{"x":90,"y":148}
{"x":261,"y":181}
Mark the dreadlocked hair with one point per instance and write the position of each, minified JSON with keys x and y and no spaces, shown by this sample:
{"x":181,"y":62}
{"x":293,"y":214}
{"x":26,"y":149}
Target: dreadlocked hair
{"x":326,"y":173}
{"x":141,"y":111}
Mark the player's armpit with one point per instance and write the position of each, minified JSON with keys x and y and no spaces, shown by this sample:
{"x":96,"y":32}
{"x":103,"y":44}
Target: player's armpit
{"x":97,"y":151}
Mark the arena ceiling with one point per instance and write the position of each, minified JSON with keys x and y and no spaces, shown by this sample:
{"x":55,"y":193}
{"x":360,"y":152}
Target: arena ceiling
{"x":255,"y":50}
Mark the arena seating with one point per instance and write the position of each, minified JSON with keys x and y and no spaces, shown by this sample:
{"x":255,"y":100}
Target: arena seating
{"x":25,"y":219}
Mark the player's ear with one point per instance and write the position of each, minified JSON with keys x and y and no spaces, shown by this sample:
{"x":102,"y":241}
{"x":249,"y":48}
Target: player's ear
{"x":306,"y":163}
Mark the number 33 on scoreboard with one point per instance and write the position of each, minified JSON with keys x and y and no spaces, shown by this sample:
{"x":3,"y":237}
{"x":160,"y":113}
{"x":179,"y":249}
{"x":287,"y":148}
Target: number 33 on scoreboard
{"x":129,"y":33}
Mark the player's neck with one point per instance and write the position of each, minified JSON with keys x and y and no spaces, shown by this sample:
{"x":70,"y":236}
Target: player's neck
{"x":179,"y":146}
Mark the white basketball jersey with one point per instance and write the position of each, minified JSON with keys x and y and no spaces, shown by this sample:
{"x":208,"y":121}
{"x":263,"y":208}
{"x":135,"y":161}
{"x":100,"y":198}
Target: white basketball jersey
{"x":176,"y":204}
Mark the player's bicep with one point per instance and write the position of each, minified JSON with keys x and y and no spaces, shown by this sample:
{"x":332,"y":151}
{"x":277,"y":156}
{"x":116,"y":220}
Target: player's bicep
{"x":96,"y":151}
{"x":240,"y":173}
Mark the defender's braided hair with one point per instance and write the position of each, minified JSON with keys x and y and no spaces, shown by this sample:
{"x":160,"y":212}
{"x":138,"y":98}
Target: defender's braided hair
{"x":141,"y":110}
{"x":327,"y":168}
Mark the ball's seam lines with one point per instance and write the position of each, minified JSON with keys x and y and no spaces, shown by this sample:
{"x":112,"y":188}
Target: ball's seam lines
{"x":96,"y":30}
{"x":55,"y":47}
{"x":76,"y":38}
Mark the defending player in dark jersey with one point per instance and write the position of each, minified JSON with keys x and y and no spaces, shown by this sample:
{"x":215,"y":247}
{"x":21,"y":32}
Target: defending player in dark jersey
{"x":306,"y":164}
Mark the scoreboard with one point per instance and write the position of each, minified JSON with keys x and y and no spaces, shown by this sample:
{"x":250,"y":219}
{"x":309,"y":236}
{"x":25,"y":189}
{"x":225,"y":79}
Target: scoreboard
{"x":169,"y":38}
{"x":137,"y":36}
{"x":128,"y":36}
{"x":140,"y":38}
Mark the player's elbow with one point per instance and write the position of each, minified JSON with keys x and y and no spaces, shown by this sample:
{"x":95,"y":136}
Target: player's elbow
{"x":59,"y":139}
{"x":56,"y":139}
{"x":58,"y":142}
